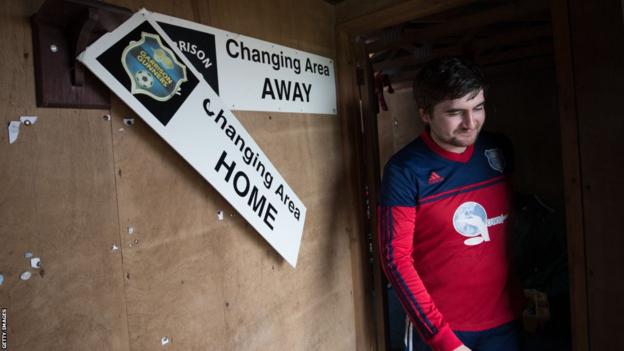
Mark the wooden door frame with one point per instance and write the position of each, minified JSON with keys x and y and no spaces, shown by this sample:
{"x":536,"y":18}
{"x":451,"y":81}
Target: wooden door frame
{"x":370,"y":332}
{"x":361,"y":148}
{"x":573,"y":192}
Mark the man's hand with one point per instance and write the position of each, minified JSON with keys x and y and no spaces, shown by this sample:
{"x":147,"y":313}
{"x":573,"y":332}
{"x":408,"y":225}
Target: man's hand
{"x":462,"y":348}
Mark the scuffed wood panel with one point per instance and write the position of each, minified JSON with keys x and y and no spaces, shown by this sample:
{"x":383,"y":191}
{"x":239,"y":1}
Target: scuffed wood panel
{"x":399,"y":125}
{"x":217,"y":285}
{"x":312,"y":304}
{"x":306,"y":25}
{"x":174,"y":258}
{"x":58,"y":200}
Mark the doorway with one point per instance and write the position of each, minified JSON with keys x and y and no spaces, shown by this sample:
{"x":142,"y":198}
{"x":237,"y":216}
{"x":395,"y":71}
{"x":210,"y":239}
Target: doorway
{"x":513,"y":41}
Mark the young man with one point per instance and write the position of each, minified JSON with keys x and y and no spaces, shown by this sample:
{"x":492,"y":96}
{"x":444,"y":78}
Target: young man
{"x":444,"y":207}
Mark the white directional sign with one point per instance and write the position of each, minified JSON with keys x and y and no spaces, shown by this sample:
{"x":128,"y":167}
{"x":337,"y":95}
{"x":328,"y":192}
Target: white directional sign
{"x":142,"y":66}
{"x":252,"y":74}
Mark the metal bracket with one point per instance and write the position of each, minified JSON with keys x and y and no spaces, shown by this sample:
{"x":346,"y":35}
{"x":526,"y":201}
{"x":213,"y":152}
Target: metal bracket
{"x":62,"y":29}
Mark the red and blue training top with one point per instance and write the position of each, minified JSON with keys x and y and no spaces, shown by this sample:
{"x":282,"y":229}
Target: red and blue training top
{"x":443,"y":222}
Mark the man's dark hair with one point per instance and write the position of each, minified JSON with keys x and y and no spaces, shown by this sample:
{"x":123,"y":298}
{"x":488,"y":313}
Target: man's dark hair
{"x":446,"y":78}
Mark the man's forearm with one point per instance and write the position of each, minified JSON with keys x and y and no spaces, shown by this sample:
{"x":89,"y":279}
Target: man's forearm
{"x":396,"y":234}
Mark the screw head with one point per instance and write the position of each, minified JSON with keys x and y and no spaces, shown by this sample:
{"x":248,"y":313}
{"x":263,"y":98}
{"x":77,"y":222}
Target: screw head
{"x":25,"y":275}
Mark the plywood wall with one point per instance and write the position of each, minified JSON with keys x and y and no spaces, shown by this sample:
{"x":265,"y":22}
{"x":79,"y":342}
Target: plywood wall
{"x":58,"y":200}
{"x":74,"y":183}
{"x":400,"y":124}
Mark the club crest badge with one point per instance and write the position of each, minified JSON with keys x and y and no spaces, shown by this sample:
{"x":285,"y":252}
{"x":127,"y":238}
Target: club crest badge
{"x":495,"y":159}
{"x":153,"y":68}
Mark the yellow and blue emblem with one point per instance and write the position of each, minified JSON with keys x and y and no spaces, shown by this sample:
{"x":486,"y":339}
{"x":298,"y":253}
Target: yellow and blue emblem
{"x":153,"y":68}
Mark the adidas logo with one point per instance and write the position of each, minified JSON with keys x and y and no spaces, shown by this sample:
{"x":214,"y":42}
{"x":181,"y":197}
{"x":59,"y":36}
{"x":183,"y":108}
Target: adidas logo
{"x":435,"y":178}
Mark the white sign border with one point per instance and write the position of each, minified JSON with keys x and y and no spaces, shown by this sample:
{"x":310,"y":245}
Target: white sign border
{"x":89,"y":57}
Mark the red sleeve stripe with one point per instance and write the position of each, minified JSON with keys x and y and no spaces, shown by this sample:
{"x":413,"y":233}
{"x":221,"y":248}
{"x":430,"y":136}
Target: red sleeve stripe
{"x":462,"y":189}
{"x":408,"y":300}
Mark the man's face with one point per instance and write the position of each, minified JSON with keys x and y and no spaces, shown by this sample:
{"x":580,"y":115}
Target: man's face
{"x":456,"y":123}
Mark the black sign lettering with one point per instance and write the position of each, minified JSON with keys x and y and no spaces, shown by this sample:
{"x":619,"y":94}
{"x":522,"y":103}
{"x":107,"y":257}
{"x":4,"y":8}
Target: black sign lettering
{"x":279,"y":89}
{"x":199,"y":48}
{"x":244,"y":188}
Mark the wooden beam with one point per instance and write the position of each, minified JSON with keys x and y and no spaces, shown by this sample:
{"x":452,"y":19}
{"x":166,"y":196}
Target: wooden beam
{"x":508,"y":38}
{"x":511,"y":37}
{"x":524,"y":65}
{"x":400,"y":64}
{"x":413,"y":60}
{"x":349,"y":112}
{"x":572,"y":181}
{"x":396,"y":14}
{"x":498,"y":14}
{"x":404,"y":76}
{"x":350,"y":9}
{"x":516,"y":54}
{"x":530,"y":63}
{"x":372,"y":177}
